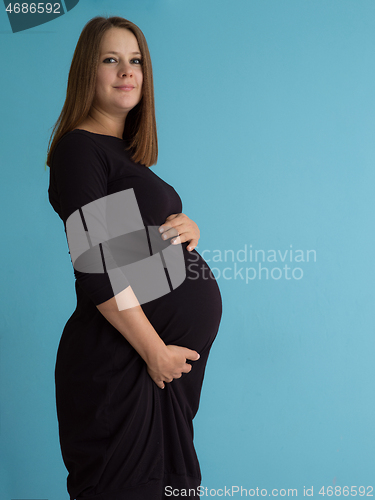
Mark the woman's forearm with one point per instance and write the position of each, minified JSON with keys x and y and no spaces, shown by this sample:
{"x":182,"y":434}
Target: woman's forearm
{"x":133,"y":324}
{"x":164,"y":362}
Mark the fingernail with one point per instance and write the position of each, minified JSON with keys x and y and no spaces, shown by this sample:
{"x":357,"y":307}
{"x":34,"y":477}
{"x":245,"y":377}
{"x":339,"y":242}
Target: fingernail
{"x":161,"y":229}
{"x":173,"y":240}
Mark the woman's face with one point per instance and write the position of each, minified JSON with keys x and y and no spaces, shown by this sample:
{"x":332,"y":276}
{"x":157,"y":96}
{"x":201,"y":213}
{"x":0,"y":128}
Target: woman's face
{"x":119,"y":79}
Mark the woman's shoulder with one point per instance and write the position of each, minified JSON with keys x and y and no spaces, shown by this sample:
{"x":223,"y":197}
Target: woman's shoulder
{"x":76,"y":137}
{"x":77,"y":144}
{"x":77,"y":155}
{"x":85,"y":138}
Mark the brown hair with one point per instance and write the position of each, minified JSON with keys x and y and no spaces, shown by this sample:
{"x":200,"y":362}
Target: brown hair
{"x":140,"y":123}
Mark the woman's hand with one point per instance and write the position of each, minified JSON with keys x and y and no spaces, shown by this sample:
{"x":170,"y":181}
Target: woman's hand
{"x":170,"y":363}
{"x":182,"y":229}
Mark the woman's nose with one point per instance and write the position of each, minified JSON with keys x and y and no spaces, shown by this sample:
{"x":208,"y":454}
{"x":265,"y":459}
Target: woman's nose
{"x":126,"y":70}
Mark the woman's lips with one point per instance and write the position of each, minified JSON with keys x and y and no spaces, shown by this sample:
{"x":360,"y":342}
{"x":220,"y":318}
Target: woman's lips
{"x":125,"y":87}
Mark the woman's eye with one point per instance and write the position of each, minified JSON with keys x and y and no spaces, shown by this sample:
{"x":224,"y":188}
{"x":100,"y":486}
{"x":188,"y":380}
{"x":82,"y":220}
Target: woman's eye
{"x":112,"y":59}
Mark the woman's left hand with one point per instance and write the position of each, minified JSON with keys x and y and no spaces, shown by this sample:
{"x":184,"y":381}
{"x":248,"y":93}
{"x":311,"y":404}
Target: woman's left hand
{"x":182,"y":229}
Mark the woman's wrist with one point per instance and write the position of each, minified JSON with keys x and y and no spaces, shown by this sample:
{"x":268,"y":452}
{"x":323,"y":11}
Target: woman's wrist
{"x":154,"y":352}
{"x":157,"y":357}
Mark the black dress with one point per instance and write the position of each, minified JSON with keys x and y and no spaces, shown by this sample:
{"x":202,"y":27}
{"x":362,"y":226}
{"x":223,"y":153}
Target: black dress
{"x":121,"y":436}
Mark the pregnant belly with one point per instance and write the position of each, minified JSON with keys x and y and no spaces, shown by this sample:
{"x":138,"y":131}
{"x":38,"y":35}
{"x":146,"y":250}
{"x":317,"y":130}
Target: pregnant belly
{"x":189,"y":315}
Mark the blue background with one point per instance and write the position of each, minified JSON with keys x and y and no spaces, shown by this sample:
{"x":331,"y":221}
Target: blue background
{"x":266,"y":124}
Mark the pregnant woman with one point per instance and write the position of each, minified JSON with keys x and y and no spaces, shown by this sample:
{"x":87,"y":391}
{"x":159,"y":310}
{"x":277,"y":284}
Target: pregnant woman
{"x":128,"y":374}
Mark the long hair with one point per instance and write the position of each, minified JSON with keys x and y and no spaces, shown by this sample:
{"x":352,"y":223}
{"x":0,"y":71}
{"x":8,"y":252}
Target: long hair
{"x":140,"y":123}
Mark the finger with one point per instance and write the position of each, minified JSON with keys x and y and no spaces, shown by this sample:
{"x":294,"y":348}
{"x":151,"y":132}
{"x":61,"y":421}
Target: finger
{"x":164,"y":228}
{"x":181,"y":223}
{"x":178,"y":240}
{"x":185,"y":232}
{"x":192,"y":355}
{"x":193,"y":243}
{"x":187,"y":368}
{"x":182,"y":237}
{"x":169,"y":232}
{"x":173,"y":220}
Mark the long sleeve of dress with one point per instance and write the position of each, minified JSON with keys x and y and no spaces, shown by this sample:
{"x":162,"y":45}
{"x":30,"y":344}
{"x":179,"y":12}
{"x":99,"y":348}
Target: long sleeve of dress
{"x":79,"y":176}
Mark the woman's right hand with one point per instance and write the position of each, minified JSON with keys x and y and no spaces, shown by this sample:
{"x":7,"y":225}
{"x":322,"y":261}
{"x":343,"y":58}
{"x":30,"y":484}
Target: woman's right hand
{"x":170,"y":363}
